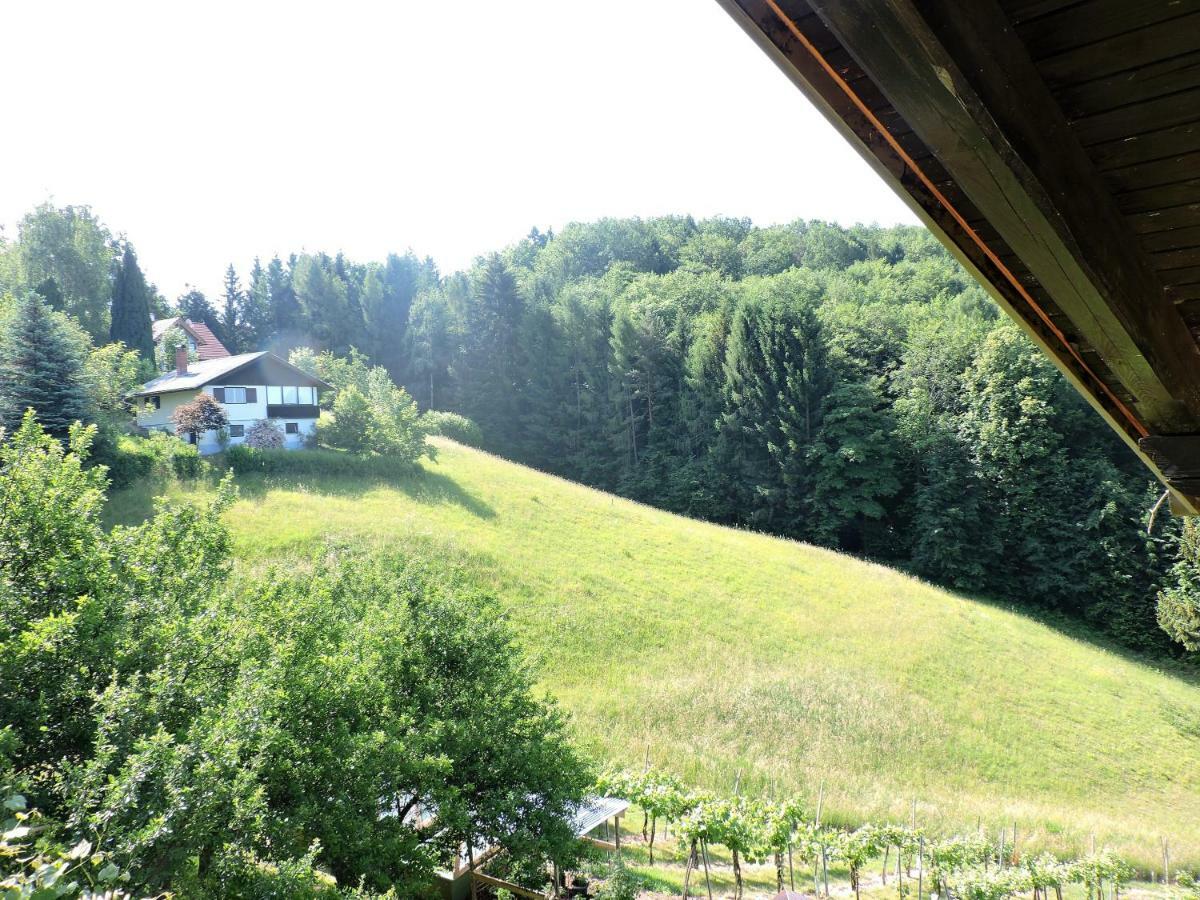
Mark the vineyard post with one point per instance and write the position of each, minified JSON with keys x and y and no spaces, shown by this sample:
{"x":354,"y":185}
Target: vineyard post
{"x":791,"y":873}
{"x":1000,"y":849}
{"x":1166,"y":851}
{"x":887,"y":853}
{"x":687,"y":873}
{"x":899,"y":872}
{"x":816,"y":833}
{"x":704,"y":852}
{"x":920,"y":863}
{"x":825,"y":867}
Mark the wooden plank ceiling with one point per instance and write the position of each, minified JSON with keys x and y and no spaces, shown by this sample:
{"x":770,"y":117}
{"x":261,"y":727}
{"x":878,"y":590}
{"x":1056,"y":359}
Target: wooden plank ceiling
{"x":1054,"y":147}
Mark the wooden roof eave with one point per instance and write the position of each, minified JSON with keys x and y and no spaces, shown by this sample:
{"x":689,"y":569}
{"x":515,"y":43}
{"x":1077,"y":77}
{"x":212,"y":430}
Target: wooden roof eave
{"x":1067,"y":234}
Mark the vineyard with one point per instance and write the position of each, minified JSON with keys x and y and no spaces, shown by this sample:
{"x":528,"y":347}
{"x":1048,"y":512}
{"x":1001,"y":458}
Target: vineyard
{"x":714,"y":836}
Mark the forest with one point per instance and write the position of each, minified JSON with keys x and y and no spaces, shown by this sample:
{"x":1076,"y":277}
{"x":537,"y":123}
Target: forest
{"x":851,"y":387}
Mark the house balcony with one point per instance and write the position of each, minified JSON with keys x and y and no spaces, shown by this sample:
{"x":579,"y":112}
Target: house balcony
{"x":293,"y":411}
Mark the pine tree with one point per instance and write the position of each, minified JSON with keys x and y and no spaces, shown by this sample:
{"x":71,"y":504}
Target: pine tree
{"x":490,"y":362}
{"x":256,"y":321}
{"x":195,"y":307}
{"x":387,"y":298}
{"x":42,"y":362}
{"x":131,"y":307}
{"x":231,"y":318}
{"x":285,"y":308}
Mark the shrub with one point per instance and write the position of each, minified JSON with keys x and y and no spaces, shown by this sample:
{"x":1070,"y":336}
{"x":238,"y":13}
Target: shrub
{"x":216,"y":731}
{"x":352,"y":426}
{"x":245,"y":460}
{"x":621,"y":884}
{"x":264,"y":435}
{"x":452,"y":425}
{"x":129,"y":457}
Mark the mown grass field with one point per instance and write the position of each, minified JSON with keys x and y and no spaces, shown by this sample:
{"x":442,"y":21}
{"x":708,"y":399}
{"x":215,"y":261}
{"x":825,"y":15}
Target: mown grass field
{"x":721,"y":654}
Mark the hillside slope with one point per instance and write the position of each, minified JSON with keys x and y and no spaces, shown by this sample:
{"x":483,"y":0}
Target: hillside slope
{"x":718,"y":653}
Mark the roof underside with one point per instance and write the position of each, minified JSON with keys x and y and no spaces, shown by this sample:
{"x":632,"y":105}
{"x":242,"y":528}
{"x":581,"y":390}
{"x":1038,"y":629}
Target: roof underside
{"x":1054,"y":147}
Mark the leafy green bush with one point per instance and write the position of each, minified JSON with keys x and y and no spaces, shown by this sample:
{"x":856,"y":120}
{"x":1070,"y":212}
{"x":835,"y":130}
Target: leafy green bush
{"x":47,"y":869}
{"x":370,"y":413}
{"x":452,"y":425}
{"x":130,"y":457}
{"x":621,"y":883}
{"x":245,"y":460}
{"x":243,"y":739}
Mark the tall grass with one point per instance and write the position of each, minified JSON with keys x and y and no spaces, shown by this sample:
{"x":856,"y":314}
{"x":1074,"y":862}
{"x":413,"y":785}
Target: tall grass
{"x":730,"y":656}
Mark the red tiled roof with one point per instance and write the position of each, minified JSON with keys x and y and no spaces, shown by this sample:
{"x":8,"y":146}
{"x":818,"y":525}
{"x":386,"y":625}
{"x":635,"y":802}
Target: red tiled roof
{"x":207,"y":345}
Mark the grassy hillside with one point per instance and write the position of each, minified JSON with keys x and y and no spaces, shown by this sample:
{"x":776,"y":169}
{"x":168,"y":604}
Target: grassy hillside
{"x":717,"y":653}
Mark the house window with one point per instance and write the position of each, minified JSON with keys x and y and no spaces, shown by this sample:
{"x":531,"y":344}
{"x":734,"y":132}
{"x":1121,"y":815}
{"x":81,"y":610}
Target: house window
{"x":237,"y":431}
{"x":274,"y":395}
{"x":291,"y":427}
{"x":229,"y":395}
{"x":290,"y":395}
{"x":308,"y":395}
{"x":155,"y":401}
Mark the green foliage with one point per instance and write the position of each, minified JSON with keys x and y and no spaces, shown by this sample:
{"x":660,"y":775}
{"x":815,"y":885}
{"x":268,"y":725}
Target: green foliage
{"x":452,"y":425}
{"x":333,"y":463}
{"x":67,"y":255}
{"x":883,"y":671}
{"x":128,"y":458}
{"x":1179,"y":601}
{"x":113,"y":372}
{"x":243,"y":739}
{"x":42,"y":367}
{"x":41,"y":869}
{"x":370,"y":413}
{"x":621,"y":883}
{"x":130,"y":310}
{"x":353,"y":426}
{"x":164,"y":351}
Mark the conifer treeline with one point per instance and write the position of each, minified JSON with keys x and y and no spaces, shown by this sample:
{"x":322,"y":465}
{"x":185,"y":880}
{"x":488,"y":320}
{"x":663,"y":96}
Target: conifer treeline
{"x":851,"y":387}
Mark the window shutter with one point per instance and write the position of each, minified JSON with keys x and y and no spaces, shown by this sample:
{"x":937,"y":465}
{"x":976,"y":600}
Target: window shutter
{"x":219,"y":394}
{"x":251,"y":395}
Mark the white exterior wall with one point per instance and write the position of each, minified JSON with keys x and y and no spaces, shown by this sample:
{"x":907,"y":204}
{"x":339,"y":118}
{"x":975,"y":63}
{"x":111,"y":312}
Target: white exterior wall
{"x":244,"y":414}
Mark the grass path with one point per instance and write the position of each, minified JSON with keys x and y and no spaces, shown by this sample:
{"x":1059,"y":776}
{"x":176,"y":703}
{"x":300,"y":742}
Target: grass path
{"x":718,"y":653}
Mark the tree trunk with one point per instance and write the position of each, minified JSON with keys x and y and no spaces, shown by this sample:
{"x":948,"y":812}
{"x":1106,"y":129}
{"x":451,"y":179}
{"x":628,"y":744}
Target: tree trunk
{"x":653,"y":829}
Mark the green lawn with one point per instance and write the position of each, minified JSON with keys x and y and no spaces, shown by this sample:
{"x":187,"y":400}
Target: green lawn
{"x":718,"y":653}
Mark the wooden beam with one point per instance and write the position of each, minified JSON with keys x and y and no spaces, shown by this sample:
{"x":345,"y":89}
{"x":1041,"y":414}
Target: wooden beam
{"x":959,"y":76}
{"x":764,"y":24}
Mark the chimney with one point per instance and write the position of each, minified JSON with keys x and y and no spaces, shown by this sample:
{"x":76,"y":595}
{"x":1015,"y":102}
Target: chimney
{"x":181,"y":360}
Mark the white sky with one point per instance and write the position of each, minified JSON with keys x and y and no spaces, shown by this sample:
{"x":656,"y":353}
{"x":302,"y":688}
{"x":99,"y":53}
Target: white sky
{"x":212,"y":132}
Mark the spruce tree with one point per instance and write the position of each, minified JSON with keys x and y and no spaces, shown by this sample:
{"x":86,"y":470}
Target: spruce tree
{"x":285,"y":308}
{"x":195,"y":307}
{"x":232,"y":316}
{"x":42,"y":368}
{"x":131,"y":307}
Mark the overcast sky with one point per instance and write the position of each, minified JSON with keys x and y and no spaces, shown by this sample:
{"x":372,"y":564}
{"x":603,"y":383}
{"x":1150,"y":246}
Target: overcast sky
{"x":211,"y":133}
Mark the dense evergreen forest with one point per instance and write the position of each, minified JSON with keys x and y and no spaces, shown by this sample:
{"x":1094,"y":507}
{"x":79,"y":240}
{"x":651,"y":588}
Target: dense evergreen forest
{"x":852,"y":387}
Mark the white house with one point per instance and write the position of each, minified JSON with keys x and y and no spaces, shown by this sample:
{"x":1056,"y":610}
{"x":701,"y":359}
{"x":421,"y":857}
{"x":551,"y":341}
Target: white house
{"x":249,"y":386}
